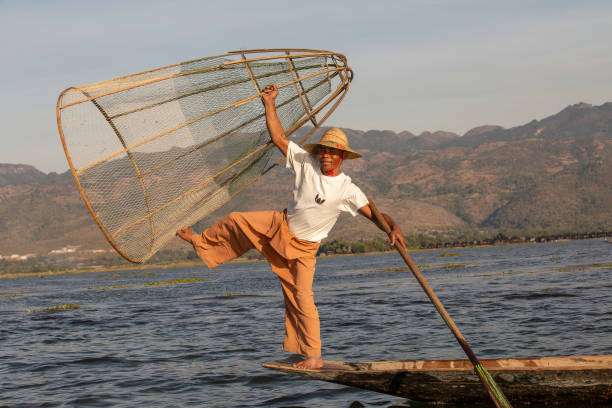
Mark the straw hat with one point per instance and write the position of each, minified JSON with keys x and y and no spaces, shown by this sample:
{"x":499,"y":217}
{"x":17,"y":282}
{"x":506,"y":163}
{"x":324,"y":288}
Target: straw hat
{"x":335,"y":138}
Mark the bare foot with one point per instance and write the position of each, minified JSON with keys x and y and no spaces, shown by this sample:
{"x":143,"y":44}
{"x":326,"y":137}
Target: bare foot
{"x":185,"y":234}
{"x":310,"y":363}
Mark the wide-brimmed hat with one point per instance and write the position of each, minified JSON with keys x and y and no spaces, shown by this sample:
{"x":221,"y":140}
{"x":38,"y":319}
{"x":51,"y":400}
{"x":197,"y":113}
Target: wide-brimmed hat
{"x":335,"y":138}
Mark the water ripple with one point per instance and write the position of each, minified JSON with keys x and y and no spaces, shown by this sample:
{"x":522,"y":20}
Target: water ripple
{"x":201,"y":344}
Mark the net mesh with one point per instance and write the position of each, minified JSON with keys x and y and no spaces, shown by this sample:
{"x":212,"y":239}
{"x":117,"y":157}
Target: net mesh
{"x":157,"y":151}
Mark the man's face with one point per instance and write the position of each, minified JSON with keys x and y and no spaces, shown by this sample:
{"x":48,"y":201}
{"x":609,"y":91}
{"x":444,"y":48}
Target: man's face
{"x":330,"y":159}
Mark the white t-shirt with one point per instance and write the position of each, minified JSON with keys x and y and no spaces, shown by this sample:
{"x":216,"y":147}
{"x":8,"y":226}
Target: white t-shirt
{"x":318,"y":199}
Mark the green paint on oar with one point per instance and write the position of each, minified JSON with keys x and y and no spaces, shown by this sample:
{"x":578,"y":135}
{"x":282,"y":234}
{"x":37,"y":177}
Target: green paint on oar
{"x":500,"y":399}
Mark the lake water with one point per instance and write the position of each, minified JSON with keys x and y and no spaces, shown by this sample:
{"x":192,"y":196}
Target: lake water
{"x":201,"y":343}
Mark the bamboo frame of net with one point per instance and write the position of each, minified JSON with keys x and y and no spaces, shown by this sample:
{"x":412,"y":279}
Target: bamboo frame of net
{"x":335,"y":66}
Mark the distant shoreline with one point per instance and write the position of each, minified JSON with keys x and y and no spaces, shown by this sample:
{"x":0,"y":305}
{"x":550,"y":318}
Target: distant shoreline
{"x":243,"y":260}
{"x":137,"y":267}
{"x":134,"y":267}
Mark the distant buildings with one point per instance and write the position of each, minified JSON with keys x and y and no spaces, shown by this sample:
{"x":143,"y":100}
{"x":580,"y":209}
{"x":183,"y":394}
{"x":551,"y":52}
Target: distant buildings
{"x":17,"y":257}
{"x":64,"y":250}
{"x":67,"y":250}
{"x":70,"y":249}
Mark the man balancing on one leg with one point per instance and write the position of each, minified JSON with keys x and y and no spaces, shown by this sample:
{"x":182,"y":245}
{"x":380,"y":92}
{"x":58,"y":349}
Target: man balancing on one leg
{"x":289,"y":240}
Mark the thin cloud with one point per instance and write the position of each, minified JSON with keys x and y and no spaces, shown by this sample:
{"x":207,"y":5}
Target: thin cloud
{"x":419,"y":65}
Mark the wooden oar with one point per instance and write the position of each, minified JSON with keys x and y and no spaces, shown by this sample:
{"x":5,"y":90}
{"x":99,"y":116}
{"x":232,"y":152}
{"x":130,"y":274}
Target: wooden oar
{"x":492,"y":388}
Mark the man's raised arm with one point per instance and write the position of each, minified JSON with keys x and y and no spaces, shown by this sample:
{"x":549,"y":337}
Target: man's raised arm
{"x":277,"y":134}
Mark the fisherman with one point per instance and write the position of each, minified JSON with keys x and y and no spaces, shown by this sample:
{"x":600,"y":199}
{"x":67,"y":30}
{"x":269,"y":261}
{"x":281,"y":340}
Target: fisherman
{"x":290,"y":239}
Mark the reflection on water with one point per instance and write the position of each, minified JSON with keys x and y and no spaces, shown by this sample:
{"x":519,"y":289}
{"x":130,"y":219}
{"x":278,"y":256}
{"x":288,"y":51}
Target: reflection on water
{"x":197,"y":337}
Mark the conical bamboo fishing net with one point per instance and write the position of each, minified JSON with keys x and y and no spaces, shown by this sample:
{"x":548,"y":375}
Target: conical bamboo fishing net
{"x":159,"y":150}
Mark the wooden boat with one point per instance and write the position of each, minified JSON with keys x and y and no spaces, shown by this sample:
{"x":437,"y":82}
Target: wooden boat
{"x":546,"y":380}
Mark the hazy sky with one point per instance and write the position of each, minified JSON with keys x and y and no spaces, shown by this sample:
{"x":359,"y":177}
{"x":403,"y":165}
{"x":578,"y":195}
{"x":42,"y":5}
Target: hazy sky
{"x":419,"y":65}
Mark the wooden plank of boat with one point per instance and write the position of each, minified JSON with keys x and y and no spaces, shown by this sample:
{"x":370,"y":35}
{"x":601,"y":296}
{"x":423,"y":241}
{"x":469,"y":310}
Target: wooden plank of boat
{"x":544,"y":380}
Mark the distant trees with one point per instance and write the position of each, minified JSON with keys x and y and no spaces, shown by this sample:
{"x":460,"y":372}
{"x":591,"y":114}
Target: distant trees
{"x":341,"y":246}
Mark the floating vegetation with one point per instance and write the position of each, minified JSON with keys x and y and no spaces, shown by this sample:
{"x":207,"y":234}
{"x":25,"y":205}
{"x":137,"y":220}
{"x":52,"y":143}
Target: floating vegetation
{"x":176,"y":282}
{"x":242,"y":294}
{"x":115,"y":287}
{"x":573,"y":268}
{"x":397,"y":269}
{"x":579,"y":268}
{"x":137,"y":274}
{"x":448,"y":254}
{"x":11,"y":294}
{"x":64,"y":307}
{"x":126,"y":275}
{"x":454,"y":266}
{"x":485,"y":275}
{"x":58,"y":307}
{"x":140,"y":285}
{"x":392,"y":269}
{"x":607,"y":265}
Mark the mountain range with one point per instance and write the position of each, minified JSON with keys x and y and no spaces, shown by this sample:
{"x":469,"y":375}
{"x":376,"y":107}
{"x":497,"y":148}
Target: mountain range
{"x":548,"y":176}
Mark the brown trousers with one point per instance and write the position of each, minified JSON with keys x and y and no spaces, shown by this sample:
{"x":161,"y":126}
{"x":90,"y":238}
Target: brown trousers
{"x":292,"y":260}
